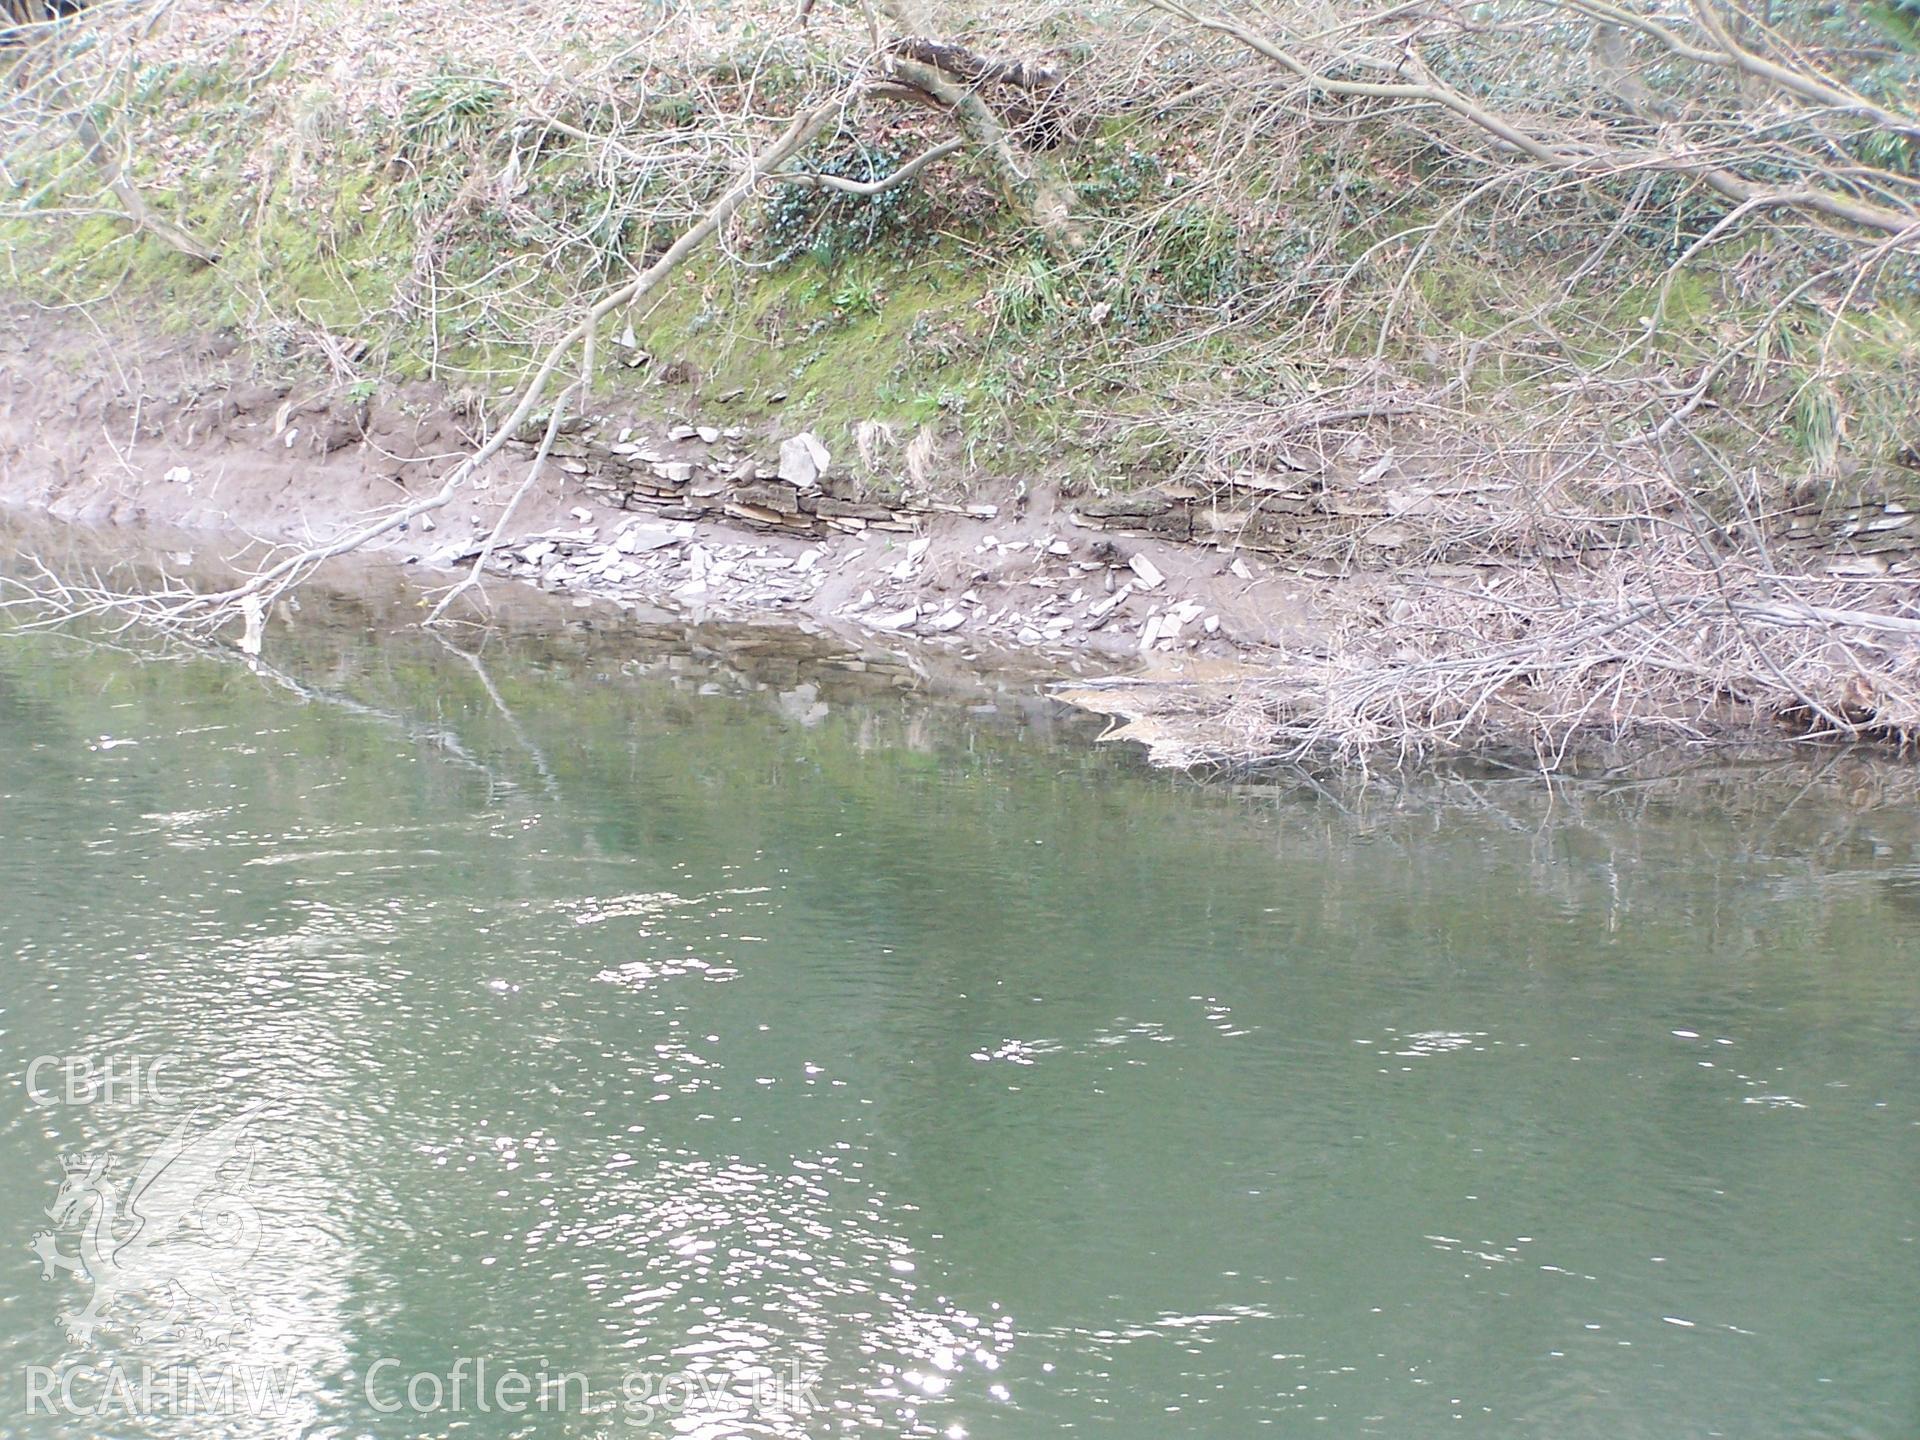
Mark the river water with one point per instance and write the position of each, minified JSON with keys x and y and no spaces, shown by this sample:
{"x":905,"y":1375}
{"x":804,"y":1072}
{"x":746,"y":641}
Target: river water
{"x":723,"y":1041}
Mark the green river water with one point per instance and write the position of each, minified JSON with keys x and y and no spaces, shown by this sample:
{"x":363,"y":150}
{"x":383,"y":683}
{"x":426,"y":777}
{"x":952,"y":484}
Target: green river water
{"x":735,"y":1042}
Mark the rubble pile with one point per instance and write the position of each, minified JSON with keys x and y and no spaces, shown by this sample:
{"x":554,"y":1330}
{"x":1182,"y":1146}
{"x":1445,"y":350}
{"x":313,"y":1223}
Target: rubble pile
{"x":868,"y":563}
{"x":642,"y":561}
{"x":1038,"y":594}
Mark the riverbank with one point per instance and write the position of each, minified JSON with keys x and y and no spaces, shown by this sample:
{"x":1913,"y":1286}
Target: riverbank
{"x":1199,"y":648}
{"x":660,"y":515}
{"x":1274,"y":422}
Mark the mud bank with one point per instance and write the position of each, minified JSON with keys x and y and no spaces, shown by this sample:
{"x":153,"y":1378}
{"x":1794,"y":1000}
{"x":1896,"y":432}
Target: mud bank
{"x":1186,"y":619}
{"x":684,"y":515}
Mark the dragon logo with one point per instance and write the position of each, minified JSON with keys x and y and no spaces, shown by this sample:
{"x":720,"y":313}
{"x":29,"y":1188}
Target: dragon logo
{"x":178,"y":1236}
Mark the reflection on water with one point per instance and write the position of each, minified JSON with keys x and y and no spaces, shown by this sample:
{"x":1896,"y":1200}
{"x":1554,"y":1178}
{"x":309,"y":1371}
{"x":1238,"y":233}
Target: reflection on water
{"x":739,"y":1025}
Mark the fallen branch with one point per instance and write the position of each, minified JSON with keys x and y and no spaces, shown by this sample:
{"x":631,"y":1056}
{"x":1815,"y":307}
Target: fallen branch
{"x":137,"y":209}
{"x":1037,"y":113}
{"x":918,"y":64}
{"x":198,"y":612}
{"x":1586,"y":159}
{"x":813,"y":179}
{"x":506,"y":513}
{"x":1732,"y":55}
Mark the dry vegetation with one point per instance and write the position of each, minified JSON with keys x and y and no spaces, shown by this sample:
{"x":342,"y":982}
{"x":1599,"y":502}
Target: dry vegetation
{"x":1609,"y":309}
